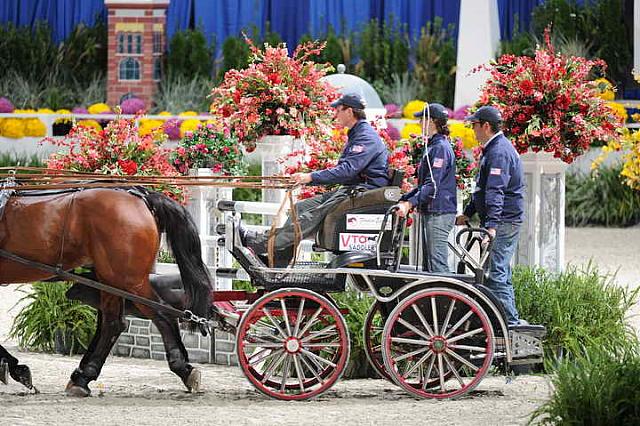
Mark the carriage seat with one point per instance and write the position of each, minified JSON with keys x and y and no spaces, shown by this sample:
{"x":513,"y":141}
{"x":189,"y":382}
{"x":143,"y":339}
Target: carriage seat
{"x":359,"y":214}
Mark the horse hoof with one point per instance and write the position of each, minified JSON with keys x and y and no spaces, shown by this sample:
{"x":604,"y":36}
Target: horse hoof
{"x":193,"y":381}
{"x":77,"y":391}
{"x":4,"y":372}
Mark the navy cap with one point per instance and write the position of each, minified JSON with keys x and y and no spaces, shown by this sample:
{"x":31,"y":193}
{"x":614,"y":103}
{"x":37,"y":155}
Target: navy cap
{"x":350,"y":100}
{"x":486,"y":113}
{"x":436,"y":111}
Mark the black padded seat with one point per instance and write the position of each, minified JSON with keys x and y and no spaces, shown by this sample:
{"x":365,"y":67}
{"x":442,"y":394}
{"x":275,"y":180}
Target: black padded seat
{"x":374,"y":201}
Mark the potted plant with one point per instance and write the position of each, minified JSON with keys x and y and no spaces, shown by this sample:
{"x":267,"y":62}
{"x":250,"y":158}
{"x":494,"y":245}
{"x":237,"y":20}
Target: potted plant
{"x":52,"y":323}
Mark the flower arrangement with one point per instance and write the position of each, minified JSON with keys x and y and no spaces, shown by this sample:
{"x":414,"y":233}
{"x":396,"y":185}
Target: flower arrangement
{"x":319,"y":154}
{"x":466,"y":167}
{"x":548,"y":103}
{"x":117,"y":150}
{"x":132,"y":106}
{"x":276,"y":95}
{"x":210,"y":146}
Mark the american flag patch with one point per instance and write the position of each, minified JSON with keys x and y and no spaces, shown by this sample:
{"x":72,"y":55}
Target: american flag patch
{"x":438,"y":162}
{"x":357,"y":149}
{"x":495,"y":171}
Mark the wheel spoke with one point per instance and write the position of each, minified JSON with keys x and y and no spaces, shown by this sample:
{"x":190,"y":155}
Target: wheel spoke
{"x":268,"y":353}
{"x":321,"y":345}
{"x":319,"y":333}
{"x":311,"y":322}
{"x":427,"y":376}
{"x":413,"y":328}
{"x":409,"y":341}
{"x":454,"y":371}
{"x":299,"y":373}
{"x":264,"y":332}
{"x":410,"y":354}
{"x":448,"y":317}
{"x":272,"y":367}
{"x":469,"y":348}
{"x":285,"y":372}
{"x":310,"y":368}
{"x":285,"y":314}
{"x":300,"y":316}
{"x":268,"y":345}
{"x":441,"y":372}
{"x":318,"y":358}
{"x":276,"y":325}
{"x":465,"y":335}
{"x":417,"y":364}
{"x":434,"y":314}
{"x":459,"y":323}
{"x":461,"y":359}
{"x":423,"y":320}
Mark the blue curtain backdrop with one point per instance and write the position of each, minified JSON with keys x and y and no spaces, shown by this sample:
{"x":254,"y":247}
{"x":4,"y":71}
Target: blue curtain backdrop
{"x":290,"y":18}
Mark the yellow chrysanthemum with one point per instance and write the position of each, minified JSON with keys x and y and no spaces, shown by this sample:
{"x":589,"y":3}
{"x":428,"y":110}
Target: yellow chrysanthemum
{"x":188,"y":114}
{"x":607,"y":91}
{"x":90,"y":123}
{"x":99,"y":108}
{"x":33,"y":127}
{"x":460,"y":130}
{"x":164,"y":113}
{"x":147,"y":126}
{"x":12,"y":128}
{"x":619,"y":110}
{"x":188,"y":126}
{"x":409,"y":129}
{"x":412,"y":107}
{"x":63,"y":120}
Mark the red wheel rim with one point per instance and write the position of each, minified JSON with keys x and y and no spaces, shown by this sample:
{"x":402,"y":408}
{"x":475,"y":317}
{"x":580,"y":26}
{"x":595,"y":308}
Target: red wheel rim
{"x":373,"y":329}
{"x":293,"y":344}
{"x":438,"y":343}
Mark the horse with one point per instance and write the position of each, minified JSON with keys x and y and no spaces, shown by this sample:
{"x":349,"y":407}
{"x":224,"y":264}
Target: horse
{"x":117,"y":233}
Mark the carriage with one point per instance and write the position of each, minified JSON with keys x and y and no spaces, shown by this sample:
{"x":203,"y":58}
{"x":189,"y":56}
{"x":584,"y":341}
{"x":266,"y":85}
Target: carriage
{"x":434,"y":335}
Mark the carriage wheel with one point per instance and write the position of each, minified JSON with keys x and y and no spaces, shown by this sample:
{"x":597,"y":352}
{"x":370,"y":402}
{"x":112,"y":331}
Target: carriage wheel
{"x":438,"y":343}
{"x":293,"y":344}
{"x":372,"y":333}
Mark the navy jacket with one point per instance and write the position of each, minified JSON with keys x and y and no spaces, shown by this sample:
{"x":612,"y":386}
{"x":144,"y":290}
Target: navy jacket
{"x":437,"y":195}
{"x":500,"y":185}
{"x":364,"y":161}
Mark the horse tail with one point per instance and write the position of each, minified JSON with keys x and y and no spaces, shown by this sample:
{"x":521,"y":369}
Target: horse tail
{"x":182,"y":235}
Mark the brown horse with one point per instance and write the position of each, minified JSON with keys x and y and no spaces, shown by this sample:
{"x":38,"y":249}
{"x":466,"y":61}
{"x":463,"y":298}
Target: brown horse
{"x":117,"y":234}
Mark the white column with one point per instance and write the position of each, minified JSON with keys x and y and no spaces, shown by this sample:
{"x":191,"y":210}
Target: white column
{"x":478,"y":42}
{"x":636,"y":36}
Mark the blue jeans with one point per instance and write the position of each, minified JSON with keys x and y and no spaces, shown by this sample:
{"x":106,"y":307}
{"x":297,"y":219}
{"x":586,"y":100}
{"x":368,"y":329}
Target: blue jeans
{"x":502,"y":251}
{"x":436,"y":228}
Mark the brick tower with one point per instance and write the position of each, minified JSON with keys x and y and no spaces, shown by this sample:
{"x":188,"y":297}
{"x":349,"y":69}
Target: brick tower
{"x":136,"y":40}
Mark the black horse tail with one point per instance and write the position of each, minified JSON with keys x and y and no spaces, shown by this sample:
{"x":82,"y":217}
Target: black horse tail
{"x":182,"y":235}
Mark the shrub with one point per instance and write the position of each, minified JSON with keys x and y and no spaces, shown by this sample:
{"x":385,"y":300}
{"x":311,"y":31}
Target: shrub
{"x":601,"y":199}
{"x":580,"y":308}
{"x":190,"y":55}
{"x":332,"y":52}
{"x":51,"y":321}
{"x":601,"y":388}
{"x":383,"y":50}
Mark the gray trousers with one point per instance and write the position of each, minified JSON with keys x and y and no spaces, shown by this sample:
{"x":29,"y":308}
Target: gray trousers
{"x":311,"y":212}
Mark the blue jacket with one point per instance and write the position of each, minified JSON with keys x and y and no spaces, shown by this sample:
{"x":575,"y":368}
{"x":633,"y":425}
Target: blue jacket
{"x":437,"y":195}
{"x":364,"y":161}
{"x":500,"y":185}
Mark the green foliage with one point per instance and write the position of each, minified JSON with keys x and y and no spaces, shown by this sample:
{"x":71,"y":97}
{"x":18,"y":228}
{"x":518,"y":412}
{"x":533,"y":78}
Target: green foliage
{"x":402,"y":89}
{"x":190,"y":55}
{"x":11,"y":160}
{"x":333,"y":50}
{"x":178,"y":93}
{"x":520,"y":43}
{"x":581,"y":308}
{"x":383,"y":50}
{"x":599,"y":22}
{"x":236,"y":52}
{"x":50,"y":316}
{"x":601,"y":388}
{"x":601,"y":199}
{"x":358,"y":305}
{"x":165,"y":256}
{"x":435,"y":69}
{"x":250,"y":194}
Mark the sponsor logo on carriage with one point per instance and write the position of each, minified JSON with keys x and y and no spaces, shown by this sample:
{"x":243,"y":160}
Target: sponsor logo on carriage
{"x":357,"y":242}
{"x":366,"y":222}
{"x":438,"y":162}
{"x":495,"y":171}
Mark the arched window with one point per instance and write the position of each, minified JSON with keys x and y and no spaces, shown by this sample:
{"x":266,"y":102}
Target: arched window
{"x":129,"y":69}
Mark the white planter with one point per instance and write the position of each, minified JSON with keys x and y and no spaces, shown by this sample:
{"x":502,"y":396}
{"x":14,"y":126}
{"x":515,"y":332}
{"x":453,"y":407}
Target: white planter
{"x":202,"y":207}
{"x":542,"y":235}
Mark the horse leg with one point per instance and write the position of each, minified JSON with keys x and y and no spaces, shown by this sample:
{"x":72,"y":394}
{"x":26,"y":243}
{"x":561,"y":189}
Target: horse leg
{"x":9,"y":366}
{"x":177,"y":356}
{"x":110,"y":324}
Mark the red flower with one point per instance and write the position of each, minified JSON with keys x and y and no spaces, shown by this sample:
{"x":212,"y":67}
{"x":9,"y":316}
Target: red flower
{"x":527,"y":87}
{"x":129,"y":167}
